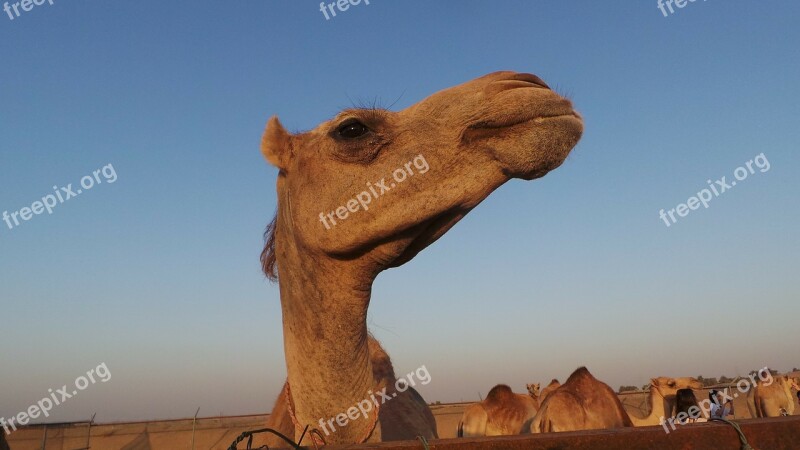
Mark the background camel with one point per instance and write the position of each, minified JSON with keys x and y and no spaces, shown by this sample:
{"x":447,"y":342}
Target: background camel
{"x":538,"y":395}
{"x":502,"y":413}
{"x":554,"y":384}
{"x":473,"y":138}
{"x":662,"y":398}
{"x":534,"y":390}
{"x":773,"y":399}
{"x":582,"y":403}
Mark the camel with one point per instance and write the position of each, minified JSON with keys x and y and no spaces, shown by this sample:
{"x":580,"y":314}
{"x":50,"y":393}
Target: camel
{"x":582,"y":403}
{"x":774,"y":399}
{"x":662,"y":398}
{"x":538,"y":395}
{"x":502,"y":413}
{"x":534,"y":390}
{"x":471,"y":139}
{"x":554,"y":384}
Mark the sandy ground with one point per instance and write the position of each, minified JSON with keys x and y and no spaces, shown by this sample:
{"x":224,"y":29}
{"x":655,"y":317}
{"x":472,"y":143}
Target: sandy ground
{"x":219,"y":433}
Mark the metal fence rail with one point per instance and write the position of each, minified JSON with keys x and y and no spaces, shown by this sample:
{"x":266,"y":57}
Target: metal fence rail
{"x":781,"y":433}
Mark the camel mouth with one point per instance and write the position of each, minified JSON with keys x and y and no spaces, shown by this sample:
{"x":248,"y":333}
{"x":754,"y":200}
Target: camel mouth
{"x":572,"y":116}
{"x":561,"y":113}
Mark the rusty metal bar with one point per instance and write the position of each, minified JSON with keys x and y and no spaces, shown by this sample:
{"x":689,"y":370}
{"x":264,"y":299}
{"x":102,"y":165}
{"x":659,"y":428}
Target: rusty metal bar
{"x":44,"y":439}
{"x":89,"y":432}
{"x":779,"y":433}
{"x":194,"y":425}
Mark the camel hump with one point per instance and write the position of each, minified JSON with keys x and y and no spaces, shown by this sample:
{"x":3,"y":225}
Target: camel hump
{"x":580,"y":373}
{"x":499,"y":393}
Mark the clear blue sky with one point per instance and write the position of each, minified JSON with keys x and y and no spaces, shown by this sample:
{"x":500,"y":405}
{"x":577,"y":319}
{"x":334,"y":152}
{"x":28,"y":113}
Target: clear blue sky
{"x":157,"y":274}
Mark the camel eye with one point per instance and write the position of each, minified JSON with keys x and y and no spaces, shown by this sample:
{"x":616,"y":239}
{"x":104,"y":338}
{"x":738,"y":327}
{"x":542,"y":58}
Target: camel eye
{"x":352,"y":129}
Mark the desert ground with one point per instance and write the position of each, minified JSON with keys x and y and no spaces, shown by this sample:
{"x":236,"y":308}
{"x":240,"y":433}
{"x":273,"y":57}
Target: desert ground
{"x":219,"y":432}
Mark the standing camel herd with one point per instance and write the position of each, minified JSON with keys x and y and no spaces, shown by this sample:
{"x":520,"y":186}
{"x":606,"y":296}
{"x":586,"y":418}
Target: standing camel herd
{"x":473,"y":138}
{"x":585,"y":403}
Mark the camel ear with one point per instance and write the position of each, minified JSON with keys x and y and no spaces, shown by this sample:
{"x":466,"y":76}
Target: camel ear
{"x":276,"y":144}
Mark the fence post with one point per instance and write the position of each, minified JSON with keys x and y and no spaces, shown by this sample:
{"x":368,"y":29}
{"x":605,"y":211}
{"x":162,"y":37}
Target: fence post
{"x":89,"y":433}
{"x":194,"y":423}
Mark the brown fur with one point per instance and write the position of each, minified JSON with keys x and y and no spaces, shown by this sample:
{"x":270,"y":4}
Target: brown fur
{"x":268,"y":259}
{"x":662,"y":398}
{"x":407,"y":404}
{"x":535,"y":392}
{"x":473,"y":138}
{"x":3,"y":443}
{"x":582,"y":403}
{"x":502,"y":413}
{"x":770,"y":400}
{"x":554,"y":384}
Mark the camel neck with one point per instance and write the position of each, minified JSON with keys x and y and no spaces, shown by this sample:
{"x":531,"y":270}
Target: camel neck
{"x":324,"y":305}
{"x":657,"y":408}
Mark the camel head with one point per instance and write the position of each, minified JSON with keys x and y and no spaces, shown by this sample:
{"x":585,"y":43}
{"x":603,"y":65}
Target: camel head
{"x":669,"y":387}
{"x":375,"y":187}
{"x":533,"y":389}
{"x":786,"y":382}
{"x":789,"y":382}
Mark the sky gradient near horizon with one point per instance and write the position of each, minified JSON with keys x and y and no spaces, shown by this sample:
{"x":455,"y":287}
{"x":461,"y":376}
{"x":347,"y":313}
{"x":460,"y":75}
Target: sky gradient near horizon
{"x":157,"y":274}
